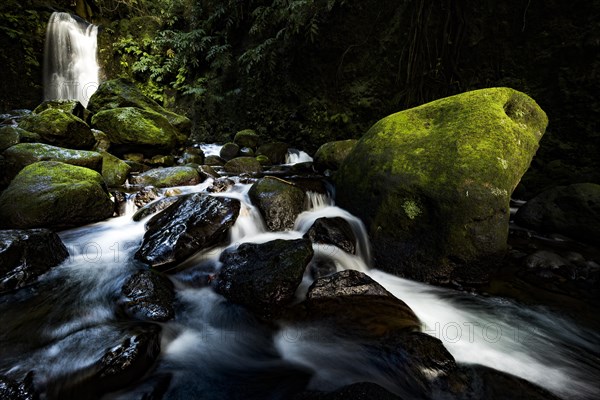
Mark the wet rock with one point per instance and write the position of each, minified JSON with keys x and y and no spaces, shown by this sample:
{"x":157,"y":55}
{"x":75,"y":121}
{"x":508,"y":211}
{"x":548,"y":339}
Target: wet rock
{"x":145,"y":196}
{"x":27,"y":254}
{"x":154,"y":207}
{"x":275,"y":151}
{"x":229,"y":151}
{"x":246,"y":152}
{"x":247,"y":138}
{"x":194,"y":222}
{"x":572,"y":210}
{"x":221,"y":185}
{"x":336,"y":231}
{"x":75,"y":195}
{"x":279,"y":202}
{"x":263,"y":277}
{"x":206,"y":171}
{"x":355,"y":391}
{"x":214,"y":161}
{"x":345,"y":283}
{"x":12,"y":390}
{"x":9,"y":136}
{"x":331,"y":155}
{"x":243,"y":165}
{"x":114,"y":170}
{"x":191,"y":155}
{"x":148,"y":295}
{"x":60,"y":128}
{"x":432,"y":184}
{"x":545,"y":259}
{"x":167,"y":177}
{"x":320,"y":267}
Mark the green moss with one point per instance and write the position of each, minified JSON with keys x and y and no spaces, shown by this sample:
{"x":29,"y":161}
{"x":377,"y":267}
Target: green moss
{"x":411,"y":208}
{"x":114,"y":170}
{"x":167,"y":177}
{"x":60,"y":128}
{"x":240,"y":165}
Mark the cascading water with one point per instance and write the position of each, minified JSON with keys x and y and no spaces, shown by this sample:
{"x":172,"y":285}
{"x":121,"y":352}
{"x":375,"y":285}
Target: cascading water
{"x":214,"y":349}
{"x":70,"y":65}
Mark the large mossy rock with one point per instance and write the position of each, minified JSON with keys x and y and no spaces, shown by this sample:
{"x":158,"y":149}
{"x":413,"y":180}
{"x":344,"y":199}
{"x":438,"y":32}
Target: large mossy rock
{"x":24,"y":154}
{"x":433,"y":183}
{"x":278,"y":201}
{"x":243,"y":165}
{"x":134,"y":128}
{"x":52,"y":194}
{"x":572,"y":210}
{"x":114,"y":170}
{"x":167,"y":177}
{"x":119,"y":93}
{"x":263,"y":277}
{"x":60,"y":128}
{"x":247,"y":138}
{"x":27,"y":254}
{"x":332,"y":154}
{"x":194,"y":222}
{"x":70,"y":106}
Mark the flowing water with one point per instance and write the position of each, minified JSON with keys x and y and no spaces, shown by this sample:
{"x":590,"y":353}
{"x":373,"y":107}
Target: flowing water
{"x":70,"y":66}
{"x":214,"y":349}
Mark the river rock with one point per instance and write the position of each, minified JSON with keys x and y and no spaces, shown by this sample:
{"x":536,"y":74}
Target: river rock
{"x":118,"y":93}
{"x":21,"y":155}
{"x":154,"y":207}
{"x":9,"y":136}
{"x":275,"y":151}
{"x":60,"y":128}
{"x":229,"y":151}
{"x":243,"y":165}
{"x":27,"y":254}
{"x":194,"y":222}
{"x":54,"y":195}
{"x":432,"y":184}
{"x":247,"y":138}
{"x":278,"y":201}
{"x":331,"y":155}
{"x":70,"y":106}
{"x":132,"y":128}
{"x":336,"y":231}
{"x":148,"y":295}
{"x":191,"y":155}
{"x":114,"y":170}
{"x":167,"y":177}
{"x":572,"y":210}
{"x":263,"y":277}
{"x":214,"y":161}
{"x":12,"y":390}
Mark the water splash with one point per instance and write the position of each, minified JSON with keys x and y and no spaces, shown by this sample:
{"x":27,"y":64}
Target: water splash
{"x":70,"y":65}
{"x":295,"y":156}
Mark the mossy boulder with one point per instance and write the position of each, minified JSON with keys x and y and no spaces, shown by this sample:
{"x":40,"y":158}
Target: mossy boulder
{"x":9,"y":136}
{"x":278,"y":201}
{"x":70,"y":106}
{"x":332,"y":154}
{"x":572,"y":210}
{"x":432,"y":183}
{"x":24,"y":154}
{"x":276,"y":151}
{"x":167,"y":177}
{"x":133,"y":127}
{"x":60,"y":128}
{"x":229,"y":151}
{"x":247,"y":138}
{"x":118,"y":93}
{"x":56,"y":195}
{"x":241,"y":165}
{"x":114,"y":170}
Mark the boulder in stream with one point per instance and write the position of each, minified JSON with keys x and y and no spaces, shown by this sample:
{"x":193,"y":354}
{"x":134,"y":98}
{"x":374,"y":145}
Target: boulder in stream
{"x":278,"y":201}
{"x":335,"y":231}
{"x":263,"y":277}
{"x":194,"y":222}
{"x":50,"y":194}
{"x":27,"y":254}
{"x":167,"y":177}
{"x":247,"y":138}
{"x":60,"y":128}
{"x":432,"y":184}
{"x":148,"y":295}
{"x":243,"y":165}
{"x":275,"y":151}
{"x":114,"y":170}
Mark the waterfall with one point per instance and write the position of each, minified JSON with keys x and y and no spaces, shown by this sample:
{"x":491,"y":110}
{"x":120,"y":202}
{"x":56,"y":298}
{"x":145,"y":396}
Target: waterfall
{"x":70,"y":66}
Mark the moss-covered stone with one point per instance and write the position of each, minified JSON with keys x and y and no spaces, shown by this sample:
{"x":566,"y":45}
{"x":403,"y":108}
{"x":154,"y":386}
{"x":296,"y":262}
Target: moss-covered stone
{"x":114,"y":170}
{"x":60,"y":128}
{"x":276,"y":151}
{"x":229,"y":151}
{"x":118,"y":93}
{"x":132,"y":126}
{"x":247,"y":138}
{"x":433,"y":183}
{"x":24,"y":154}
{"x":241,"y":165}
{"x":160,"y":160}
{"x":263,"y":160}
{"x":278,"y":201}
{"x":56,"y":195}
{"x":9,"y":136}
{"x":167,"y":177}
{"x":70,"y":106}
{"x":332,"y":154}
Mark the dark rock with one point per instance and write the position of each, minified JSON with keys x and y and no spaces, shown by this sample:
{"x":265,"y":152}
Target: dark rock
{"x":331,"y":155}
{"x":102,"y":141}
{"x":263,"y":160}
{"x":27,"y":254}
{"x":114,"y":170}
{"x":60,"y":128}
{"x":194,"y":222}
{"x":12,"y":390}
{"x":70,"y":106}
{"x":263,"y":277}
{"x":213,"y":161}
{"x":243,"y":165}
{"x":9,"y":136}
{"x":74,"y":195}
{"x":355,"y":391}
{"x":167,"y":177}
{"x":247,"y":138}
{"x":154,"y":207}
{"x":572,"y":210}
{"x":229,"y":151}
{"x":162,"y":161}
{"x":336,"y":231}
{"x":191,"y":155}
{"x":275,"y":151}
{"x":206,"y":171}
{"x":145,"y":196}
{"x":148,"y":295}
{"x":345,"y":283}
{"x":320,"y":267}
{"x":221,"y":185}
{"x":279,"y":202}
{"x":246,"y":152}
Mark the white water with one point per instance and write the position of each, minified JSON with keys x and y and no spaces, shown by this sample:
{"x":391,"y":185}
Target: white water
{"x":70,"y":66}
{"x":295,"y":156}
{"x":212,"y":345}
